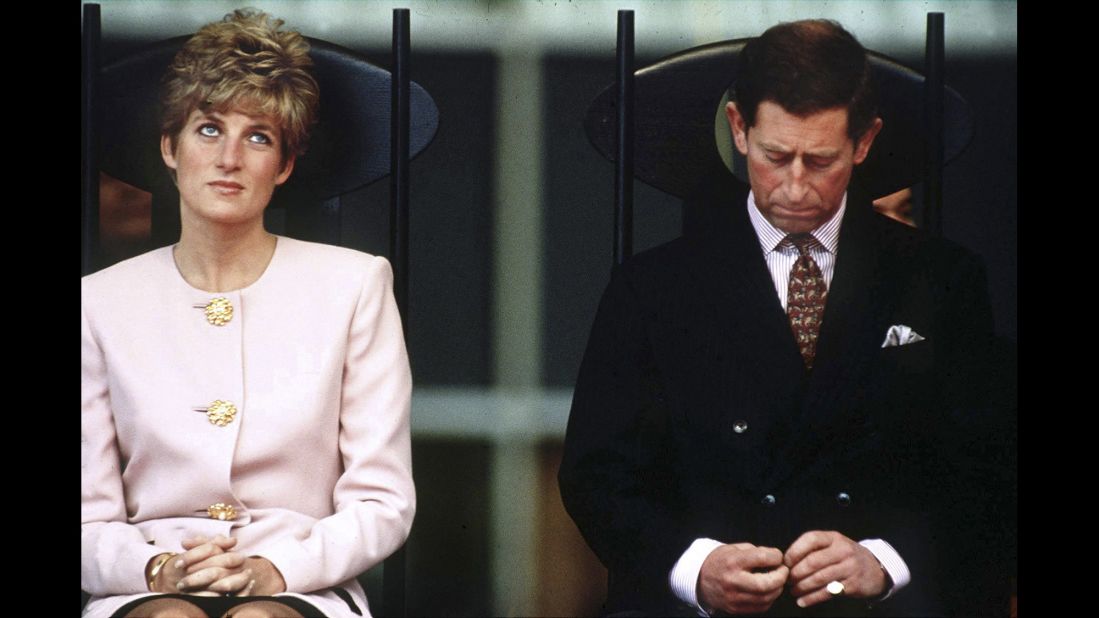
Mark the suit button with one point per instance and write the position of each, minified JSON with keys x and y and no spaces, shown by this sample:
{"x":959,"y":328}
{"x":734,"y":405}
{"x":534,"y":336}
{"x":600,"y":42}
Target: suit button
{"x":219,"y":412}
{"x":218,"y":311}
{"x":768,"y":500}
{"x":740,"y":426}
{"x":843,"y":498}
{"x":222,"y":511}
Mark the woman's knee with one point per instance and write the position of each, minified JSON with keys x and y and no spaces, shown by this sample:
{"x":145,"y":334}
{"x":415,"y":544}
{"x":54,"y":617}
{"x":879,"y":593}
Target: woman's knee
{"x":263,"y":609}
{"x":166,"y":608}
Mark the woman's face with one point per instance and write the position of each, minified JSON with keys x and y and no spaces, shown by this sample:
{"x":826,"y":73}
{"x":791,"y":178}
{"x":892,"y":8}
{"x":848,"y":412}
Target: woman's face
{"x":227,"y":166}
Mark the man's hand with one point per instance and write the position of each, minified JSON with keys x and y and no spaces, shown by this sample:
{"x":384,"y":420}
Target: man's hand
{"x":819,"y":557}
{"x":741,"y":578}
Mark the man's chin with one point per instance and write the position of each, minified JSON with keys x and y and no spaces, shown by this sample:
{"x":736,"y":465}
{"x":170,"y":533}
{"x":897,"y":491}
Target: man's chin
{"x":796,"y":226}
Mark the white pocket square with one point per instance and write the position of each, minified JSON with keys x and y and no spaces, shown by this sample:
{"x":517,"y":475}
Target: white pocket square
{"x":899,"y":334}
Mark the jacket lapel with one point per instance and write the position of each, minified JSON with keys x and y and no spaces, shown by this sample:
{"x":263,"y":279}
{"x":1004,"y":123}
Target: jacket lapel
{"x":764,"y":371}
{"x":728,"y":267}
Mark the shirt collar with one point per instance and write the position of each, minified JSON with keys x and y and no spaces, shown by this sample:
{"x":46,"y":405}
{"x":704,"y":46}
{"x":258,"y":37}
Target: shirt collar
{"x":828,"y":234}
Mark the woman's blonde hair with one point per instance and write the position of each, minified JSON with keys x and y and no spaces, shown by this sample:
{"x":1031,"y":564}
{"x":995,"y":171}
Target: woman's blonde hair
{"x":243,"y":62}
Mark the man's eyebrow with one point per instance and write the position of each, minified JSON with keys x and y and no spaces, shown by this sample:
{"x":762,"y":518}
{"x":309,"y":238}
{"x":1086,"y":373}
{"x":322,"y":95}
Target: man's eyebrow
{"x":775,"y":148}
{"x":824,"y":153}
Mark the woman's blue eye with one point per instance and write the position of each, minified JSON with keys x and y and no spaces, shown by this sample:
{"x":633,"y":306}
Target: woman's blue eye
{"x":260,"y":138}
{"x":208,"y":130}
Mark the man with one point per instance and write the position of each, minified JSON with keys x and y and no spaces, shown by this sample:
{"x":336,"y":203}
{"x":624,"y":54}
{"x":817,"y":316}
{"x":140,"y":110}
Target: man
{"x":757,"y":422}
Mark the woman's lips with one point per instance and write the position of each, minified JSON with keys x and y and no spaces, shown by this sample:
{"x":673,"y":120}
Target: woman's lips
{"x":226,"y":187}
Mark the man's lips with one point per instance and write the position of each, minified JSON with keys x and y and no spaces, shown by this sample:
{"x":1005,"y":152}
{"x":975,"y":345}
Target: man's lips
{"x":797,"y":212}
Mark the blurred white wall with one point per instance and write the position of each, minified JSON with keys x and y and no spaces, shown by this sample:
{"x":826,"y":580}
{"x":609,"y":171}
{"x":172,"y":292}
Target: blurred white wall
{"x":528,"y":26}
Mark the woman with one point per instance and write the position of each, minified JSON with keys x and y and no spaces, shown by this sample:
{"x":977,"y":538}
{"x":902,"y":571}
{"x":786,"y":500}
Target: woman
{"x":245,"y":397}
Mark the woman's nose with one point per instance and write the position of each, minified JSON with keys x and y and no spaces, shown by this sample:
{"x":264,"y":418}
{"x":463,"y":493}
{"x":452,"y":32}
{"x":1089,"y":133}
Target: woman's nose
{"x":229,"y":156}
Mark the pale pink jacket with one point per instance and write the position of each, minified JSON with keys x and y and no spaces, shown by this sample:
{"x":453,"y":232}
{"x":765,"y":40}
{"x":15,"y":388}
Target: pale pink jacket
{"x":317,"y":461}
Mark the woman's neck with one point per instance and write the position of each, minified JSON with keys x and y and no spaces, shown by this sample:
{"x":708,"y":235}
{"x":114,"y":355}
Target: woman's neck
{"x":221,"y":262}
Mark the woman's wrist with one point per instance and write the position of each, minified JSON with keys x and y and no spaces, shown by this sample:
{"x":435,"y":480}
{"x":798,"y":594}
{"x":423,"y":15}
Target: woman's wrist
{"x":154,"y":566}
{"x":268,"y":578}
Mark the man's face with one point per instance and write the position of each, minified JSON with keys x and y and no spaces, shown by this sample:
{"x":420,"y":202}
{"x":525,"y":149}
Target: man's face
{"x":798,"y":167}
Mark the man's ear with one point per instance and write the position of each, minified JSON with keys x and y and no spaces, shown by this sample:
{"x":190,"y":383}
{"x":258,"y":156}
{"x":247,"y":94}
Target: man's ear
{"x":166,"y":151}
{"x":738,"y":127}
{"x":862,"y":148}
{"x":287,"y":168}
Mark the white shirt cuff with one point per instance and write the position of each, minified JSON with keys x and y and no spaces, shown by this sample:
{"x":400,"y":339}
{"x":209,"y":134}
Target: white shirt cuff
{"x":892,"y":561}
{"x":683,"y":578}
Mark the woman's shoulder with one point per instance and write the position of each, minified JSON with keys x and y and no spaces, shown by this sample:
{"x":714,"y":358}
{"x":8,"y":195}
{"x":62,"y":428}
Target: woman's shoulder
{"x":317,"y":259}
{"x":142,"y":270}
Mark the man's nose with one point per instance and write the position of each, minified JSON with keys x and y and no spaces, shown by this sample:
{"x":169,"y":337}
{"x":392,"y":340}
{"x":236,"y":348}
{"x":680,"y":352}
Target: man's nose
{"x":796,"y":185}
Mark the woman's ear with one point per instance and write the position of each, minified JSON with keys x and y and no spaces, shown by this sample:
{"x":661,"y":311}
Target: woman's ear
{"x":288,"y":167}
{"x":167,"y":152}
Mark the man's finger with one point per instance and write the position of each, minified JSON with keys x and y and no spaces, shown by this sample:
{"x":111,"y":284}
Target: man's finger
{"x":813,"y":598}
{"x":806,"y":544}
{"x":820,"y":579}
{"x":817,"y":560}
{"x":759,"y":557}
{"x":762,"y":583}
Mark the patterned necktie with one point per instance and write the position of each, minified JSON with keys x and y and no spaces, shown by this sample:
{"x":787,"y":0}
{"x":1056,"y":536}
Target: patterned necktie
{"x":805,"y":297}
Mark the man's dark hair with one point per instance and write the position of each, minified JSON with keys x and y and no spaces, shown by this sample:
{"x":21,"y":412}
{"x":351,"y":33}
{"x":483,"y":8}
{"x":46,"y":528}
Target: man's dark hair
{"x":806,"y":67}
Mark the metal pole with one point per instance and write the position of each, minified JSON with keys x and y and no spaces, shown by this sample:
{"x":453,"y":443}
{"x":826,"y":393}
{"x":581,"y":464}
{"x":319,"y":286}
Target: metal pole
{"x":623,"y":168}
{"x":398,"y":178}
{"x":89,"y":178}
{"x":933,"y":124}
{"x":393,"y":574}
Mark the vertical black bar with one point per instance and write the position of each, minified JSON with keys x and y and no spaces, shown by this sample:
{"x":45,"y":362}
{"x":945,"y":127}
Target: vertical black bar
{"x":933,"y":124}
{"x":89,"y":178}
{"x":398,"y":161}
{"x":393,"y":573}
{"x":623,"y":168}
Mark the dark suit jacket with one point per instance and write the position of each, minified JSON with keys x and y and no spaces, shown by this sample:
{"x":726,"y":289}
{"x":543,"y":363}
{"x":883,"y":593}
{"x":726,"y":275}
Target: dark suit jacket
{"x":690,"y":340}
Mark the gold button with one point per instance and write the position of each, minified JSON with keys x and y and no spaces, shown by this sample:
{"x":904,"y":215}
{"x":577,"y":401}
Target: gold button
{"x":220,"y":413}
{"x":219,"y":311}
{"x":222,"y":511}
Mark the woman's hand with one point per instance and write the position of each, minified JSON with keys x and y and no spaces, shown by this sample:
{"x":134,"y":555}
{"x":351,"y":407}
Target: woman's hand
{"x":199,"y":550}
{"x":209,"y":568}
{"x":266,"y":577}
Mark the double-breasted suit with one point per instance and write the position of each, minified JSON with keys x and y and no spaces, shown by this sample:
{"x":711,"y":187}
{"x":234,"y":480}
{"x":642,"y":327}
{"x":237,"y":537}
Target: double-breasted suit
{"x":313,"y":468}
{"x":693,"y":415}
